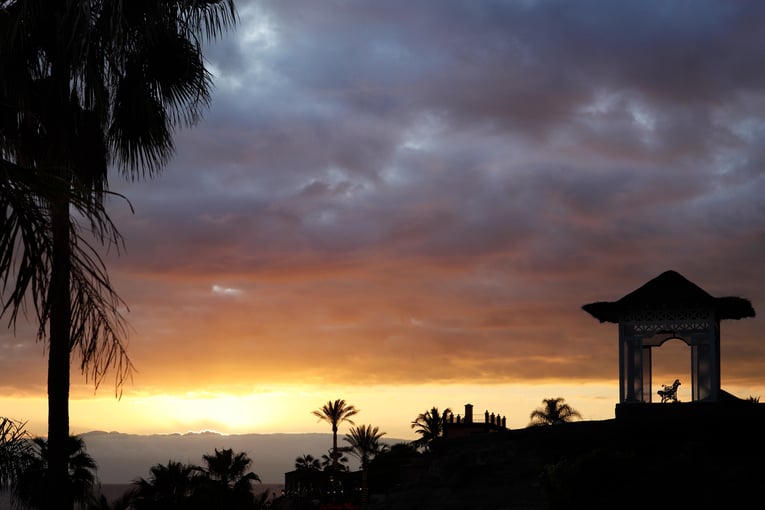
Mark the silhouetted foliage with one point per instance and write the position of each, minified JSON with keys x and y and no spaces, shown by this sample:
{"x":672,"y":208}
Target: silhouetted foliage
{"x":31,"y":489}
{"x":84,"y":84}
{"x":364,"y":442}
{"x":168,"y":487}
{"x":336,"y":413}
{"x":16,"y":451}
{"x":223,"y":483}
{"x":388,"y":469}
{"x":307,"y":461}
{"x":226,"y":482}
{"x":328,"y":463}
{"x":554,"y":412}
{"x":430,"y":426}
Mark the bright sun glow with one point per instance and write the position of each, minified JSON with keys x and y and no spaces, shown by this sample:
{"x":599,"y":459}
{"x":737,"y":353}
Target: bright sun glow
{"x":288,"y":408}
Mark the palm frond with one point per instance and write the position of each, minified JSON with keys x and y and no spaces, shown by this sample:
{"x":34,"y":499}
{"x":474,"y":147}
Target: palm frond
{"x":15,"y":451}
{"x":210,"y":17}
{"x":98,"y":326}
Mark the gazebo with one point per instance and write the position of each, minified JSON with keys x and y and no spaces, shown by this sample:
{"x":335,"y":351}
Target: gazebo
{"x":669,"y":307}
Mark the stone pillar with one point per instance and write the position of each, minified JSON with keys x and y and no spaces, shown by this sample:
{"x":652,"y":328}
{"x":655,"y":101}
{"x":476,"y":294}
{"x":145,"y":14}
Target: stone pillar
{"x":468,"y":413}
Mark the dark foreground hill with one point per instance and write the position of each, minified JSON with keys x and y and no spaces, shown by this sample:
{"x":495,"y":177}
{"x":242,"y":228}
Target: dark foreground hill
{"x":692,"y":457}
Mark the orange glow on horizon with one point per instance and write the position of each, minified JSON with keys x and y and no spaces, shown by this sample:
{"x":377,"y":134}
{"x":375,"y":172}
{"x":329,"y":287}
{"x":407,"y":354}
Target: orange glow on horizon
{"x":288,"y":410}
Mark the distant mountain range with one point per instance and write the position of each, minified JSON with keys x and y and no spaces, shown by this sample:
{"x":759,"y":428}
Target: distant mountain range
{"x":122,"y":458}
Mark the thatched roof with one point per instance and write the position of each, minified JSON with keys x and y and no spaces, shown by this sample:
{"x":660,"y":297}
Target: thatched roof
{"x":670,"y":290}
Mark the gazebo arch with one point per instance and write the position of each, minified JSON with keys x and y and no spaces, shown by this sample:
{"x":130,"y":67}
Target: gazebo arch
{"x":668,"y":307}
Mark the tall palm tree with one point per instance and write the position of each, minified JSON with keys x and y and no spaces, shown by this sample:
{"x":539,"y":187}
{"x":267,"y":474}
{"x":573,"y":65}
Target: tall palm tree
{"x":31,"y":489}
{"x":430,"y":426}
{"x":27,"y":271}
{"x":15,"y":451}
{"x":336,"y":413}
{"x":553,"y":412}
{"x":364,"y":442}
{"x":83,"y":84}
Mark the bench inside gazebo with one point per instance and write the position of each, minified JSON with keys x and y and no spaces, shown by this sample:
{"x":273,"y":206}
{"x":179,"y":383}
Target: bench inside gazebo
{"x":665,"y":308}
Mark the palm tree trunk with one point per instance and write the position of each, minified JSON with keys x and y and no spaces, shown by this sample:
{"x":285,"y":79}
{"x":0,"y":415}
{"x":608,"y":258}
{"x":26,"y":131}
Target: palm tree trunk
{"x":335,"y":455}
{"x":58,"y":160}
{"x":58,"y":359}
{"x":364,"y":485}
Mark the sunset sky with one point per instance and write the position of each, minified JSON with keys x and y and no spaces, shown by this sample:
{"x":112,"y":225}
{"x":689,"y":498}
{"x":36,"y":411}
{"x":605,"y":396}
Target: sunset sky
{"x":406,"y":203}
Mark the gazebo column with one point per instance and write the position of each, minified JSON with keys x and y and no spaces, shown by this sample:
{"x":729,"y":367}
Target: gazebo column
{"x":631,"y":368}
{"x":705,"y":366}
{"x":647,"y":378}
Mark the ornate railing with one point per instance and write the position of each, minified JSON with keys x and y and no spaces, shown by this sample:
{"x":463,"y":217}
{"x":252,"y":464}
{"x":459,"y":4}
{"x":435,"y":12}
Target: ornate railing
{"x":492,"y":419}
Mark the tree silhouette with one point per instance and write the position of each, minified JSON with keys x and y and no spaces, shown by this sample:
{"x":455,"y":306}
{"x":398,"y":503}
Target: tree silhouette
{"x":30,"y":490}
{"x":430,"y":426}
{"x":327,"y":463}
{"x":335,"y":413}
{"x":228,"y":468}
{"x":226,"y":482}
{"x":84,"y":84}
{"x":223,"y":483}
{"x":388,"y":468}
{"x":554,"y":412}
{"x":307,"y":462}
{"x":168,"y":487}
{"x":364,"y":442}
{"x":16,"y":451}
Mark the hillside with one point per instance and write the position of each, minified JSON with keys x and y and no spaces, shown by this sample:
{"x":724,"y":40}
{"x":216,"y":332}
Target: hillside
{"x":684,"y":460}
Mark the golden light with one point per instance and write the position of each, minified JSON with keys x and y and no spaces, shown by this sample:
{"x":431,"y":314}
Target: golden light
{"x":288,"y":409}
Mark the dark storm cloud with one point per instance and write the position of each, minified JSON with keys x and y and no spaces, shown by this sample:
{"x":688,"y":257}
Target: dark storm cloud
{"x":453,"y":179}
{"x":524,"y":64}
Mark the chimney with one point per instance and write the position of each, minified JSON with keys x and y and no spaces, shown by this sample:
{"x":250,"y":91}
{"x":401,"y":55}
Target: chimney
{"x":468,"y":413}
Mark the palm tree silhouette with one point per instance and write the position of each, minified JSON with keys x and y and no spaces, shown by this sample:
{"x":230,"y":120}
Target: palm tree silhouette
{"x":430,"y":426}
{"x":327,"y":463}
{"x":226,"y":482}
{"x":364,"y":442}
{"x":228,"y":468}
{"x":82,"y":85}
{"x":554,"y":412}
{"x":31,"y":487}
{"x":168,"y":486}
{"x":307,"y":461}
{"x":335,"y":413}
{"x":15,"y":451}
